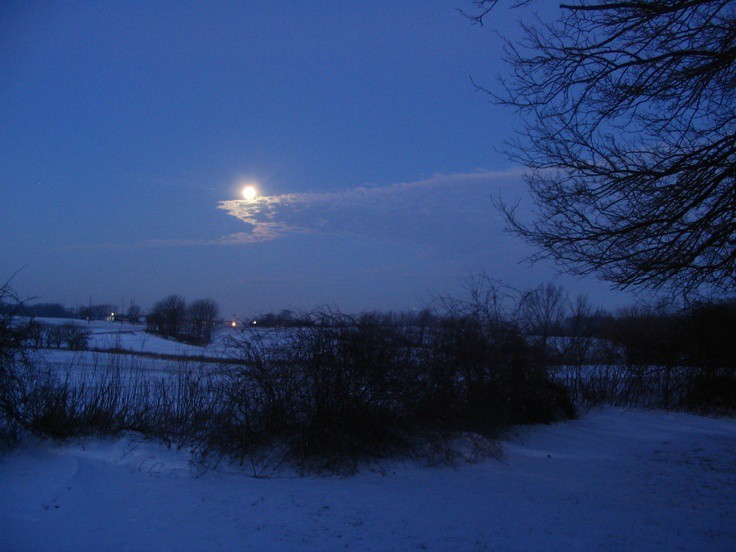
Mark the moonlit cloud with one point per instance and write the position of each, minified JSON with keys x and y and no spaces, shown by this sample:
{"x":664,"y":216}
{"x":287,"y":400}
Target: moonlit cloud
{"x":449,"y":212}
{"x":436,"y":210}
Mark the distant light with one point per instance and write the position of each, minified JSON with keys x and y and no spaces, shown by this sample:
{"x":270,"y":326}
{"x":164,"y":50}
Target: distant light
{"x":250,"y":193}
{"x":112,"y":314}
{"x":233,"y":324}
{"x":254,"y":322}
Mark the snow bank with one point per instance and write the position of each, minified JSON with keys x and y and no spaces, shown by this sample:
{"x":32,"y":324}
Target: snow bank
{"x":613,"y":480}
{"x":132,"y":337}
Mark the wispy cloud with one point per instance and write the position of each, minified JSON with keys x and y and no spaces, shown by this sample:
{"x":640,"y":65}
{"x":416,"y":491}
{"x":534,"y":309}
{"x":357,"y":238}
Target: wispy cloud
{"x":441,"y":210}
{"x":419,"y":211}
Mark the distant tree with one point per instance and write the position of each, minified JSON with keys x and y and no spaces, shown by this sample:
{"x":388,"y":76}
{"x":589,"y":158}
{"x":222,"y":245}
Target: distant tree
{"x":35,"y":334}
{"x":286,"y":318}
{"x":201,"y":319}
{"x":95,"y":311}
{"x":167,"y":316}
{"x":267,"y":320}
{"x":648,"y":336}
{"x":134,"y":312}
{"x":84,"y":312}
{"x":74,"y":336}
{"x":630,"y":134}
{"x":710,"y":329}
{"x":48,"y":310}
{"x":544,"y":310}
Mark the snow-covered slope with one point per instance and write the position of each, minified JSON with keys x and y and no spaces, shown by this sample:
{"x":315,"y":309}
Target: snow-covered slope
{"x":132,"y":337}
{"x":613,"y":480}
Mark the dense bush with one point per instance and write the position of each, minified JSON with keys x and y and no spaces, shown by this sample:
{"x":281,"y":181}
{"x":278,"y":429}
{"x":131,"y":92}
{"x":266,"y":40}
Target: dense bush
{"x":115,"y":397}
{"x":650,"y":356}
{"x":324,"y":392}
{"x":343,"y":388}
{"x":682,"y":358}
{"x":15,"y":364}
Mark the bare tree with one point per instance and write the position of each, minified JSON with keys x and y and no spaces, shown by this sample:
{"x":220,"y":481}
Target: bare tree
{"x":543,"y":310}
{"x":95,"y":311}
{"x":201,"y":318}
{"x":134,"y":312}
{"x":578,"y":331}
{"x":167,"y":316}
{"x":630,"y":134}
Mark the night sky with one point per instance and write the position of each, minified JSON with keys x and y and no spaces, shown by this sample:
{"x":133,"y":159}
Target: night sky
{"x":128,"y":130}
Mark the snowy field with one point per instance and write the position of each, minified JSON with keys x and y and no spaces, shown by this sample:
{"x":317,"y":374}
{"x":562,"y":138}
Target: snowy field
{"x":92,"y":365}
{"x":132,"y":337}
{"x":613,"y":480}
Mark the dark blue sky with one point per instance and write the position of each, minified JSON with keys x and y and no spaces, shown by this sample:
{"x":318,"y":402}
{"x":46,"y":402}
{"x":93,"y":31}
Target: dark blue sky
{"x":127,"y":129}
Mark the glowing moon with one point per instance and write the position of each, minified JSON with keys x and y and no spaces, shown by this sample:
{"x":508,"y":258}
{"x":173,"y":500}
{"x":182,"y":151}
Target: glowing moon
{"x":250,"y":192}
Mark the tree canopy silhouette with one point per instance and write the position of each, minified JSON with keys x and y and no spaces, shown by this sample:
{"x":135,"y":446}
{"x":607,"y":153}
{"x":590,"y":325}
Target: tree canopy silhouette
{"x":629,"y":132}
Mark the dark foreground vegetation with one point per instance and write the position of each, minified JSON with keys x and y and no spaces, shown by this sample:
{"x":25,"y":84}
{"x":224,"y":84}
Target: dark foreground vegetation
{"x":683,"y":359}
{"x":341,"y":390}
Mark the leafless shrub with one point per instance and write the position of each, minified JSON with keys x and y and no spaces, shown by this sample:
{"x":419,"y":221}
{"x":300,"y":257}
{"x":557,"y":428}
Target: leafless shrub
{"x":53,"y":336}
{"x":74,"y":336}
{"x":16,"y":366}
{"x":343,"y":389}
{"x":326,"y":391}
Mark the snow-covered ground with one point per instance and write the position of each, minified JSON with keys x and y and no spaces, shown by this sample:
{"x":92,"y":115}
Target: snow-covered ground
{"x":132,"y":337}
{"x":613,"y":480}
{"x":91,"y":363}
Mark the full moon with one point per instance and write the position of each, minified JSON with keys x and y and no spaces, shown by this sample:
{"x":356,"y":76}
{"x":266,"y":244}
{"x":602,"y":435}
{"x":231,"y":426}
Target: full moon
{"x":249,"y":192}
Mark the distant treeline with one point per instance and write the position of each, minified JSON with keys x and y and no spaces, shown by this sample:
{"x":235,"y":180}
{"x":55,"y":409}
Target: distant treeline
{"x":701,"y":334}
{"x":46,"y":310}
{"x":97,"y":311}
{"x":289,"y":319}
{"x":49,"y":310}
